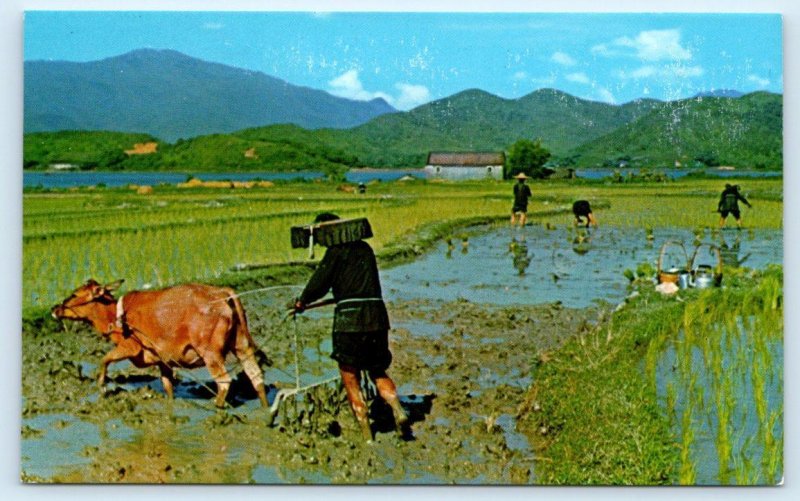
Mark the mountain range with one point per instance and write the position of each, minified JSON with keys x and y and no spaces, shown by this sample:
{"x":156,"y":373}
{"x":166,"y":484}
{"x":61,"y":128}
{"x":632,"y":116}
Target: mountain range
{"x":719,"y":127}
{"x":170,"y":95}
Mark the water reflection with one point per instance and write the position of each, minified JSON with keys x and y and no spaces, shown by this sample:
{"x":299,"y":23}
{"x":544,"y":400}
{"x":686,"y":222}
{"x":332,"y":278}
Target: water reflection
{"x":730,"y":253}
{"x":581,"y":242}
{"x":519,"y":254}
{"x":449,"y":252}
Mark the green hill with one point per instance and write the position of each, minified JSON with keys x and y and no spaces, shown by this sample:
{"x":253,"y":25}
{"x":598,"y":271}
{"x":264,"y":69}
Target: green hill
{"x":744,"y":132}
{"x":83,"y":149}
{"x":475,"y":120}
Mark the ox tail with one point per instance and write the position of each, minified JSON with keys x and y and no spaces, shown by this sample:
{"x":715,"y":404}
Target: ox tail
{"x":246,"y":350}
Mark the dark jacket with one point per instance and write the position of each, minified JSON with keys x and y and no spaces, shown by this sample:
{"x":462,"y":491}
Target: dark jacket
{"x":521,"y":194}
{"x":729,"y":200}
{"x":351,"y":272}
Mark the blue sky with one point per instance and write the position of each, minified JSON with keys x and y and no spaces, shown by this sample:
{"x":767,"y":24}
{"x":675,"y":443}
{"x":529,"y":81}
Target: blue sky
{"x":409,"y":59}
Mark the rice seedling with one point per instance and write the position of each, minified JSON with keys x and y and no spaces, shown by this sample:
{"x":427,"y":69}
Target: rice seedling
{"x":727,"y":332}
{"x":688,"y":469}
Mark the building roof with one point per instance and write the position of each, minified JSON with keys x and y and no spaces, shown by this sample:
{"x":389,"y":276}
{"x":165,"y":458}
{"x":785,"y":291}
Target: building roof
{"x":478,"y":159}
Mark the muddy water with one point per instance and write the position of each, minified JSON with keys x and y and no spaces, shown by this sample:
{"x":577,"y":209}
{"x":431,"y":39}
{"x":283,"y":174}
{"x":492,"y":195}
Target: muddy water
{"x":538,"y":265}
{"x":461,"y":369}
{"x":467,"y":324}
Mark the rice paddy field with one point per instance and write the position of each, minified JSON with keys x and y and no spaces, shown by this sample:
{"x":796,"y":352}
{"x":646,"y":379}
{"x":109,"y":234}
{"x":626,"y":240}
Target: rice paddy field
{"x":685,"y":389}
{"x":175,"y":235}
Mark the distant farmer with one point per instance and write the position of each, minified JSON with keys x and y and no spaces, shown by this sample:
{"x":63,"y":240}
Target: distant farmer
{"x":582,"y":209}
{"x":729,"y":203}
{"x":521,"y":194}
{"x":360,"y":323}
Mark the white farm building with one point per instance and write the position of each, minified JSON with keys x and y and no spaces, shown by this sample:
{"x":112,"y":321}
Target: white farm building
{"x":469,"y":165}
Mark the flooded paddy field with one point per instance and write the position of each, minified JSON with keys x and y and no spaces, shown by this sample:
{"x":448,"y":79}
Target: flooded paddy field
{"x":469,"y":322}
{"x":542,"y":263}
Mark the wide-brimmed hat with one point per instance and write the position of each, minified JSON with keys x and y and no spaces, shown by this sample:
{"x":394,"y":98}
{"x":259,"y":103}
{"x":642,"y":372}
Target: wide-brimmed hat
{"x":521,"y":175}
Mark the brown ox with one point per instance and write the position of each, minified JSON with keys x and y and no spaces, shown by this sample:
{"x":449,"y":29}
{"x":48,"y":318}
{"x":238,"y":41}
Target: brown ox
{"x":185,"y":326}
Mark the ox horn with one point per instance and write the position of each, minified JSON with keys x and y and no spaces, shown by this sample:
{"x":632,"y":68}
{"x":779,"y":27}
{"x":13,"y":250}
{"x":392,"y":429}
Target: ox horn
{"x":114,"y":285}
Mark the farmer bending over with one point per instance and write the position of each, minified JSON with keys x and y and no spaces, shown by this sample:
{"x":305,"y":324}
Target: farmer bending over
{"x":582,"y":209}
{"x":521,"y":194}
{"x":729,"y":203}
{"x":360,"y":323}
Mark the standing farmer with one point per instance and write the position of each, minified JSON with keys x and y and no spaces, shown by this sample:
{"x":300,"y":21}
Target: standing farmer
{"x":521,"y":194}
{"x":729,"y":203}
{"x":360,"y":323}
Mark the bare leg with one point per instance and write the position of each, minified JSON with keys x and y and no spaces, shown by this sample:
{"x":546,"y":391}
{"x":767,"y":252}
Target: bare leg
{"x":350,"y":380}
{"x":388,"y":392}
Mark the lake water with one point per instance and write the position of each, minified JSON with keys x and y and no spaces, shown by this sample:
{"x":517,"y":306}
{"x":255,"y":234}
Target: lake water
{"x":113,"y":179}
{"x":71,"y":179}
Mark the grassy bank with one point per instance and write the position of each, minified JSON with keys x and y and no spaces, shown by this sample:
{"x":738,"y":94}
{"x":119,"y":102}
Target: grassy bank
{"x":606,"y":410}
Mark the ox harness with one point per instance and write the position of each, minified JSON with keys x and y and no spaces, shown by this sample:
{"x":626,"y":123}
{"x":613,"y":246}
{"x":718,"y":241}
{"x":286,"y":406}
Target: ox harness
{"x":120,"y":322}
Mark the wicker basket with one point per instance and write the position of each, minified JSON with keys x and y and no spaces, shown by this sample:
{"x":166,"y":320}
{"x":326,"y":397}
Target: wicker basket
{"x":672,"y":275}
{"x":340,"y":231}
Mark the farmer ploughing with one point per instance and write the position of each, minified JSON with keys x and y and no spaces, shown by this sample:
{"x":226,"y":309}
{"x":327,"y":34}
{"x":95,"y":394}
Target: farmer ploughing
{"x":361,"y":322}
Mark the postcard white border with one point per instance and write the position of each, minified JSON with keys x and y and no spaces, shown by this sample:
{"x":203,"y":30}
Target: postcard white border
{"x":11,"y":26}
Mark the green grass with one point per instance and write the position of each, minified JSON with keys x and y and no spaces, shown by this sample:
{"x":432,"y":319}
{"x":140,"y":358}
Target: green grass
{"x":610,"y":422}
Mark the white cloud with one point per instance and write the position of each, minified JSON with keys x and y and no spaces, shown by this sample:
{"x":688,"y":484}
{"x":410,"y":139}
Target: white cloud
{"x":520,"y":75}
{"x":410,"y":96}
{"x":664,"y":72}
{"x":544,"y":80}
{"x":761,"y":82}
{"x":606,"y":95}
{"x":563,"y":59}
{"x":685,"y":71}
{"x":213,"y":26}
{"x":653,"y":45}
{"x":348,"y":85}
{"x":644,"y":72}
{"x":578,"y":77}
